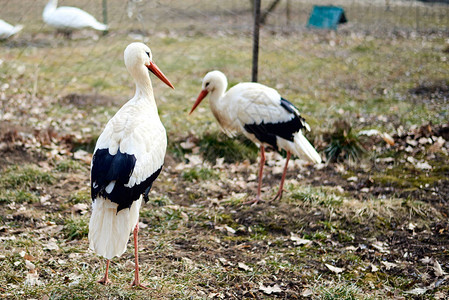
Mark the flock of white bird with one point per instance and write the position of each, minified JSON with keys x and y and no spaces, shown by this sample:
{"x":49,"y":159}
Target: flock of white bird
{"x":63,"y":18}
{"x":130,"y":151}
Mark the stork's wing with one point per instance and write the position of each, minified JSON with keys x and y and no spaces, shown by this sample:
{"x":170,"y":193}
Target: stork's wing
{"x":262,"y":112}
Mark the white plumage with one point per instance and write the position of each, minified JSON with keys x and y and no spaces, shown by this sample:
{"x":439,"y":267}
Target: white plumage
{"x":7,"y":30}
{"x":262,"y":115}
{"x":128,"y":157}
{"x":68,"y":18}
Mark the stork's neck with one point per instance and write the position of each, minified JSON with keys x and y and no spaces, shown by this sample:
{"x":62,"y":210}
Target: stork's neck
{"x":219,"y":104}
{"x":216,"y":94}
{"x":144,"y":88}
{"x":50,"y":7}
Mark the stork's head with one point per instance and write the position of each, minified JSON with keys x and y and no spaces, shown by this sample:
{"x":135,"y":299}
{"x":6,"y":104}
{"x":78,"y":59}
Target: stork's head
{"x":213,"y":81}
{"x":138,"y":55}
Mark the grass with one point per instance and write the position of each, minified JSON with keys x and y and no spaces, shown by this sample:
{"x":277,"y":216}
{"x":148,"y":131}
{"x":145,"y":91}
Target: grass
{"x":76,"y":228}
{"x":16,"y":177}
{"x":344,"y":144}
{"x":196,"y":174}
{"x":214,"y":146}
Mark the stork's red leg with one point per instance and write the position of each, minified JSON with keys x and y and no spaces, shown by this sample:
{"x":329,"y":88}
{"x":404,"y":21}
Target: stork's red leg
{"x":281,"y":188}
{"x":136,"y":281}
{"x":105,"y":280}
{"x":259,"y":187}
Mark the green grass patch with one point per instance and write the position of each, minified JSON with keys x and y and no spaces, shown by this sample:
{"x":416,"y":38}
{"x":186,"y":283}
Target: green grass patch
{"x":28,"y":176}
{"x":80,"y":196}
{"x":340,"y":292}
{"x":18,"y":196}
{"x":76,"y":228}
{"x":195,"y":174}
{"x":68,"y":165}
{"x":343,"y":143}
{"x":214,"y":145}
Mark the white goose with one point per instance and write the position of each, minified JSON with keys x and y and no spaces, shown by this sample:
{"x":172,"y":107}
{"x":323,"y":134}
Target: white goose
{"x":262,"y":115}
{"x":68,"y":18}
{"x":7,"y":30}
{"x":128,"y":157}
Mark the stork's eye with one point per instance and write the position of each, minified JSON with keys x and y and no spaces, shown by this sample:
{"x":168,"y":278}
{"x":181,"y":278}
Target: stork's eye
{"x":207,"y":83}
{"x":148,"y":53}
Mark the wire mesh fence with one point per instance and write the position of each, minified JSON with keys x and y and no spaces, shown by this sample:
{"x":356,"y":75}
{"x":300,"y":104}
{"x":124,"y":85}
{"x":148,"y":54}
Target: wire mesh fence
{"x":145,"y":19}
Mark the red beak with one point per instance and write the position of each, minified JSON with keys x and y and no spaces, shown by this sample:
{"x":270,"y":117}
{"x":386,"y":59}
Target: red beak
{"x":200,"y":98}
{"x":156,"y":71}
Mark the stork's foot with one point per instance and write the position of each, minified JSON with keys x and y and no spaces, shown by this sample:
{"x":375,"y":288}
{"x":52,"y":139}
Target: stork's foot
{"x":278,"y":195}
{"x":137,"y":284}
{"x":105,"y":281}
{"x":253,"y":202}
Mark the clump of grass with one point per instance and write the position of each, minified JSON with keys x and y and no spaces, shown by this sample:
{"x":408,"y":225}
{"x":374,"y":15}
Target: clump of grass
{"x":24,"y":177}
{"x":316,"y":197}
{"x":16,"y":183}
{"x":199,"y":174}
{"x":81,"y":196}
{"x":68,"y":165}
{"x":18,"y":196}
{"x":76,"y":228}
{"x":343,"y":143}
{"x":213,"y":146}
{"x":340,"y":292}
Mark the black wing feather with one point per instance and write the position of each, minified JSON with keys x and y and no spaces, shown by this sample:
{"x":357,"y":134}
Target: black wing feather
{"x":267,"y":132}
{"x":118,"y":168}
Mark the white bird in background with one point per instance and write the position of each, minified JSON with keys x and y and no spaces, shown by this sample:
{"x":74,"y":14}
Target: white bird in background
{"x":262,"y":115}
{"x":7,"y":30}
{"x":128,"y":157}
{"x":68,"y":18}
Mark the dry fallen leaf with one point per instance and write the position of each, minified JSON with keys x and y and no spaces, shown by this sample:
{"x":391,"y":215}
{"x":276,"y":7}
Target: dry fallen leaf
{"x":51,"y":245}
{"x":307,"y":292}
{"x":80,"y":207}
{"x":389,"y":265}
{"x":225,"y":262}
{"x":437,"y":268}
{"x":387,"y":138}
{"x":32,"y":278}
{"x":29,"y":265}
{"x":270,"y":289}
{"x":381,"y":246}
{"x":225,"y":228}
{"x":82,"y":155}
{"x":244,"y":267}
{"x":334,"y":269}
{"x":299,"y":241}
{"x":416,"y":291}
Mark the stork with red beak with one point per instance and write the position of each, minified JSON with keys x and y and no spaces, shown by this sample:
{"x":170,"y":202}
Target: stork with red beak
{"x":128,"y":157}
{"x":262,"y":115}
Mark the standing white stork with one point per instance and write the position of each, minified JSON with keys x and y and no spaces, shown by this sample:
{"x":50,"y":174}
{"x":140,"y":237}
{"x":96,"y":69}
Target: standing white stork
{"x":128,"y":157}
{"x":68,"y":18}
{"x":7,"y":30}
{"x":262,"y":115}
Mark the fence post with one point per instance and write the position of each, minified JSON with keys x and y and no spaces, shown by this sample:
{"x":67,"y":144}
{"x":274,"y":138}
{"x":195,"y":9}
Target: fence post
{"x":256,"y":39}
{"x":105,"y":15}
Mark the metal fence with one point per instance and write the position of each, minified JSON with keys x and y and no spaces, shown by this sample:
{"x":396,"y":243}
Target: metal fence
{"x":189,"y":18}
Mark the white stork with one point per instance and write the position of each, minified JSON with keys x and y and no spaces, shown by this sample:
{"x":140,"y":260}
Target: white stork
{"x":68,"y":18}
{"x":7,"y":30}
{"x":128,"y":157}
{"x":262,"y":115}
